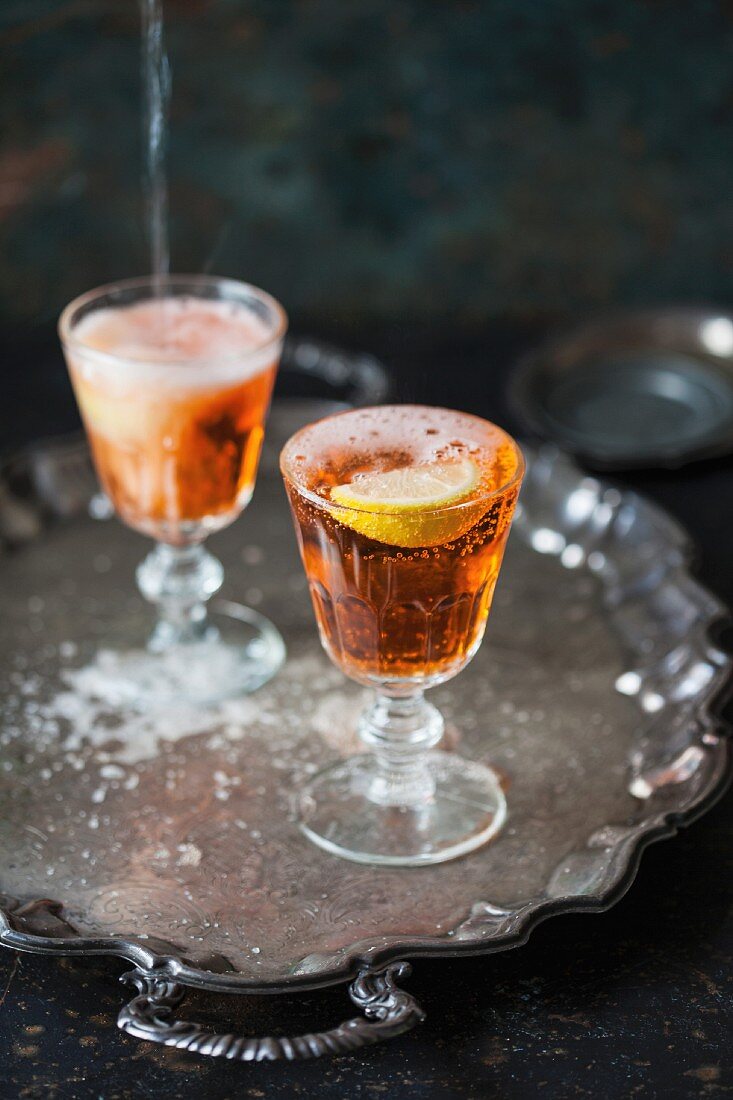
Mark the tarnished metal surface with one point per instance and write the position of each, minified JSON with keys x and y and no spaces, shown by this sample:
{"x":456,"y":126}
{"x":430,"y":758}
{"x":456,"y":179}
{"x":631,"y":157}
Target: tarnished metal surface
{"x":166,"y":837}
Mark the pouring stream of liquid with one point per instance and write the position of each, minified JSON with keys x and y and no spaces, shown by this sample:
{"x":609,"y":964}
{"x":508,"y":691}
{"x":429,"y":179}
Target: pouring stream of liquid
{"x":156,"y":95}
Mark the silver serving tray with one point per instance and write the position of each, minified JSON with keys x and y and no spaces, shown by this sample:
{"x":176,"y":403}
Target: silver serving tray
{"x":166,"y":838}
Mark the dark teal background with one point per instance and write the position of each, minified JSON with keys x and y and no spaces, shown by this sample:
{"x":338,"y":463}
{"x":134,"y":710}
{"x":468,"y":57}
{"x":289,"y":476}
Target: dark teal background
{"x":446,"y":162}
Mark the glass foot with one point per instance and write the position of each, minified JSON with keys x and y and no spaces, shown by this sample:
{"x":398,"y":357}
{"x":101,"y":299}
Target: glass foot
{"x":465,"y":811}
{"x":240,"y":651}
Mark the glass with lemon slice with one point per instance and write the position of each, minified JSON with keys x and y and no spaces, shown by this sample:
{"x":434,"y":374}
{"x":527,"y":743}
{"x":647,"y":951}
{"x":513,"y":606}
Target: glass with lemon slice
{"x":402,"y":514}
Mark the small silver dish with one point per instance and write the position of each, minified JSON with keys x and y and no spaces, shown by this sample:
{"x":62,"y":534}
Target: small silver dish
{"x":634,"y":390}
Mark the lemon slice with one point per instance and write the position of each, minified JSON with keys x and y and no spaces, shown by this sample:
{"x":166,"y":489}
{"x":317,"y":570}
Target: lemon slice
{"x":401,"y":508}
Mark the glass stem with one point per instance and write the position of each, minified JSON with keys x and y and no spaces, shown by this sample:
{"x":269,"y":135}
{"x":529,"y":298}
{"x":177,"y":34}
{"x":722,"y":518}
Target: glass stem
{"x":400,"y":730}
{"x":179,"y":580}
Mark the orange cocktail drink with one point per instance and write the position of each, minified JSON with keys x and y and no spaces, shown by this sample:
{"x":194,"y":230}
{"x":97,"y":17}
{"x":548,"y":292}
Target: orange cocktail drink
{"x":402,"y":596}
{"x":402,"y":515}
{"x":173,"y":376}
{"x":176,"y":434}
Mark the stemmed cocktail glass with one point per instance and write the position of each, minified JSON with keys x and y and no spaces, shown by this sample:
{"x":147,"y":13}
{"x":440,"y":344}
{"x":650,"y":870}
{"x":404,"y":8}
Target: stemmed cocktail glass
{"x":402,"y":515}
{"x":173,"y":377}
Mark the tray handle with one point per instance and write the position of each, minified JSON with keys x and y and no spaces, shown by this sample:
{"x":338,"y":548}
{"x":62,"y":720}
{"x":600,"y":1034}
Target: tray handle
{"x":388,"y":1011}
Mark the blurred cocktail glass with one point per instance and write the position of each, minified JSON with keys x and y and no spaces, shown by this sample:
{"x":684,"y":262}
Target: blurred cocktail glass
{"x":402,"y":515}
{"x":173,"y":377}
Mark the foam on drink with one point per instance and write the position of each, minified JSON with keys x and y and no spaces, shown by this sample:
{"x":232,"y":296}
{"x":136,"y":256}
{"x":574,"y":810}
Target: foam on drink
{"x":199,"y":342}
{"x":340,"y":449}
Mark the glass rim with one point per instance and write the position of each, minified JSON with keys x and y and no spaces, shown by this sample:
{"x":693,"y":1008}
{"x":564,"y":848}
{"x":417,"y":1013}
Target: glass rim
{"x":69,"y":340}
{"x":471,"y":502}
